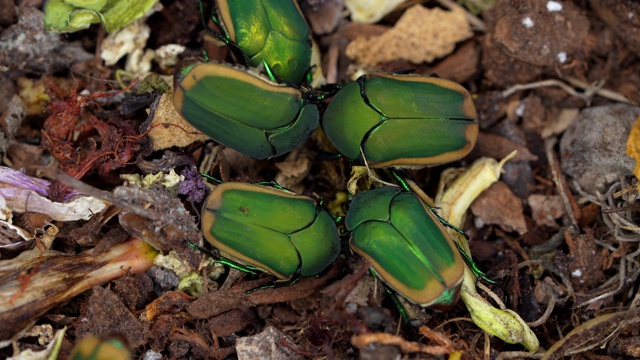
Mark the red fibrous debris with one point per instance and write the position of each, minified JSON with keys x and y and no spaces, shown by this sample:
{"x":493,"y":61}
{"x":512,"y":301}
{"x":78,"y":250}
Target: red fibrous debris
{"x":82,"y":142}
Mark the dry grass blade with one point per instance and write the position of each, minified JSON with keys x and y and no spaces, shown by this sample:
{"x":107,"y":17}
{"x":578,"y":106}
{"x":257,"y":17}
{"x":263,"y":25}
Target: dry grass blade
{"x":592,"y":334}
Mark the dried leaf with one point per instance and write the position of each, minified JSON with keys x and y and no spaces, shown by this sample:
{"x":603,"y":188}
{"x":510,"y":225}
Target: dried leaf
{"x":180,"y":134}
{"x":546,"y":209}
{"x":499,"y":205}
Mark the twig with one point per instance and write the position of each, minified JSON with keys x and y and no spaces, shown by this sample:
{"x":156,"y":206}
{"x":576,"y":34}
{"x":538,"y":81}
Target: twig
{"x":607,"y":94}
{"x":513,"y":244}
{"x":491,"y":295}
{"x":445,"y":345}
{"x":590,"y":90}
{"x":622,"y":279}
{"x":559,"y":180}
{"x":547,"y":312}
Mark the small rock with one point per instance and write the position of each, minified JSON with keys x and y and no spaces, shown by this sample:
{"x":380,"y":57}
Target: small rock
{"x":27,"y":47}
{"x":164,"y":280}
{"x":270,"y":344}
{"x":593,"y":147}
{"x":151,"y":355}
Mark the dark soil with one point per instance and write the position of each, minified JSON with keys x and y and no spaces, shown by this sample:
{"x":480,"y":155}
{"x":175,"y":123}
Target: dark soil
{"x":557,"y":233}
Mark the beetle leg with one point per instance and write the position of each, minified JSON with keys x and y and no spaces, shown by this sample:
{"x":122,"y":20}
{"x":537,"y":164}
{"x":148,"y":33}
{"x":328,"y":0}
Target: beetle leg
{"x":372,"y":174}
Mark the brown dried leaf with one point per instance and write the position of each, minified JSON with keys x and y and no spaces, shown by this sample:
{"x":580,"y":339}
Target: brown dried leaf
{"x":546,"y":209}
{"x":499,"y":205}
{"x":180,"y":135}
{"x":497,"y":147}
{"x":461,"y":65}
{"x":293,"y":170}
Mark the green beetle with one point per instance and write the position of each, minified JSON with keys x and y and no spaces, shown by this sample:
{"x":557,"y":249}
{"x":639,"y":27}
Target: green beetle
{"x":94,"y":348}
{"x":243,"y":110}
{"x":402,"y":120}
{"x":406,"y":245}
{"x":273,"y":32}
{"x":270,"y":229}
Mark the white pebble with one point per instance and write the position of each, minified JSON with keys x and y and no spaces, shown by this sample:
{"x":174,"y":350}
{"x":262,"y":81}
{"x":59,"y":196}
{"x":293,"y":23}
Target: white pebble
{"x":576,"y":273}
{"x":562,"y":57}
{"x":554,"y":6}
{"x":527,"y":22}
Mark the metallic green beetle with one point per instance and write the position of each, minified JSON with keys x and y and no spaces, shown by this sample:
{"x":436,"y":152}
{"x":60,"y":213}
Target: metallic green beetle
{"x":270,"y":31}
{"x":406,"y":245}
{"x":94,"y":348}
{"x":270,"y":229}
{"x":402,"y":120}
{"x":242,"y":110}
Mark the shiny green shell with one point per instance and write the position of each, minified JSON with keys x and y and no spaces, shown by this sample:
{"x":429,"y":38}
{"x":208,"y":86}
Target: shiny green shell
{"x":93,"y":348}
{"x":276,"y":231}
{"x":273,"y":31}
{"x":243,"y":111}
{"x":406,"y":245}
{"x":402,"y":120}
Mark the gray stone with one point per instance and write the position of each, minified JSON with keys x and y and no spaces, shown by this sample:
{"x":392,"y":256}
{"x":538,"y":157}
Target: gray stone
{"x":593,"y":148}
{"x":270,"y":344}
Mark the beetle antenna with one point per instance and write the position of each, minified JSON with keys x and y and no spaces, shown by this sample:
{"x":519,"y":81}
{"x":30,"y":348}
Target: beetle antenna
{"x":372,"y":175}
{"x":404,"y":71}
{"x":207,"y":176}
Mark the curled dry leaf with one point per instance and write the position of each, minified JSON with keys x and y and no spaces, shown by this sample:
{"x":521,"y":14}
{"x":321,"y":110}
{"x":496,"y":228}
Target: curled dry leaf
{"x":420,"y":35}
{"x":23,"y":193}
{"x":454,"y":201}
